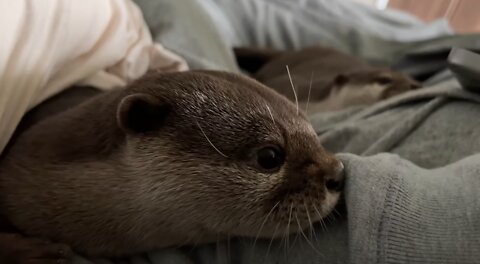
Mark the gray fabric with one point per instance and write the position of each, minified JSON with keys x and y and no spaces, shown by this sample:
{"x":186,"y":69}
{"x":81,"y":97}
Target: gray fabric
{"x":418,"y":204}
{"x":203,"y":31}
{"x":406,"y":214}
{"x":398,"y":213}
{"x":348,"y":26}
{"x":394,"y":126}
{"x":185,"y":28}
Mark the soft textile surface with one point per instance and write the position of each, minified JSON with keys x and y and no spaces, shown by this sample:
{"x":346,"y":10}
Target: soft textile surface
{"x":49,"y":45}
{"x":187,"y":29}
{"x":203,"y":31}
{"x":418,"y":205}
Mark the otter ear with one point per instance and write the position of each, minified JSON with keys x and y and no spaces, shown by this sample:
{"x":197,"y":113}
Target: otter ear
{"x":340,"y":80}
{"x":140,"y":113}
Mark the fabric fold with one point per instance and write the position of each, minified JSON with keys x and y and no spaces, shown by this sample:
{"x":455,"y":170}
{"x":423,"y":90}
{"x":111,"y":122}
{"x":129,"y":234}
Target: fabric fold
{"x":50,"y":45}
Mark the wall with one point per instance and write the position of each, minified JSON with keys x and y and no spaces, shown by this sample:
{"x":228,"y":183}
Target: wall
{"x":463,"y":15}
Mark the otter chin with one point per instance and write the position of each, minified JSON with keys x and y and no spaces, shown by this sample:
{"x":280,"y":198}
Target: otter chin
{"x":173,"y":159}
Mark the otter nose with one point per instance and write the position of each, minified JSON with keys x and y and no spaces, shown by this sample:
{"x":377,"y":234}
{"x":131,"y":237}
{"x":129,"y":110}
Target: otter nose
{"x":336,"y":181}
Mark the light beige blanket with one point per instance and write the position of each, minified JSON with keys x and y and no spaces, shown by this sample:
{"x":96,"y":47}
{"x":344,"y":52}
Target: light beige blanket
{"x":49,"y":45}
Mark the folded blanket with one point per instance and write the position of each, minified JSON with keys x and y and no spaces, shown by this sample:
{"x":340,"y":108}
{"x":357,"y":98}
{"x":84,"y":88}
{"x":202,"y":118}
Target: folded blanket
{"x":49,"y":45}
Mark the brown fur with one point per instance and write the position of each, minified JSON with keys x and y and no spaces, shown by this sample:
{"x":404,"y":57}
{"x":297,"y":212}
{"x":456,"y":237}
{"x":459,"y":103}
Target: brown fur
{"x":327,"y":71}
{"x":132,"y":170}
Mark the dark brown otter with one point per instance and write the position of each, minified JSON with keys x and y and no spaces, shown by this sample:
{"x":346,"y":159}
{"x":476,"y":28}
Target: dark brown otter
{"x":174,"y":159}
{"x":328,"y":78}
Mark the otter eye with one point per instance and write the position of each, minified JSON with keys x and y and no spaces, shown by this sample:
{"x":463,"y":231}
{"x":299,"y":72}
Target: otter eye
{"x":270,"y":158}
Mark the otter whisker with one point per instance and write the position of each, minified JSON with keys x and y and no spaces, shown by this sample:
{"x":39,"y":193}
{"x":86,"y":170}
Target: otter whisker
{"x":297,"y":234}
{"x":205,"y":135}
{"x":309,"y":90}
{"x":336,"y":212}
{"x":282,"y":243}
{"x":312,"y":232}
{"x":306,"y":238}
{"x":263,"y":224}
{"x":293,"y":87}
{"x":324,"y":224}
{"x":320,"y":220}
{"x":320,"y":217}
{"x":330,"y":218}
{"x":271,"y":241}
{"x":270,"y":112}
{"x":318,"y":212}
{"x":288,"y":225}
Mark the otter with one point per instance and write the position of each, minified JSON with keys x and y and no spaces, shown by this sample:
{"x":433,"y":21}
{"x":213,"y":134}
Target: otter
{"x":358,"y":88}
{"x":173,"y":159}
{"x":326,"y":78}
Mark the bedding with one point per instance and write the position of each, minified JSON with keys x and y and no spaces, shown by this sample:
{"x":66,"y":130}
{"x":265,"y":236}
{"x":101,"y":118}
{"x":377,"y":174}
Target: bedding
{"x":51,"y":45}
{"x":417,"y":203}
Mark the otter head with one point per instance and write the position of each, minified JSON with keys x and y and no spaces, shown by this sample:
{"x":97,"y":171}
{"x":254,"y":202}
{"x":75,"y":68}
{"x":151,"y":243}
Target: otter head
{"x":370,"y":85}
{"x":220,"y":154}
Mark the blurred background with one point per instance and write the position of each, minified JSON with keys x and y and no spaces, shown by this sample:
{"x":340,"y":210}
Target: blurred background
{"x":463,"y":15}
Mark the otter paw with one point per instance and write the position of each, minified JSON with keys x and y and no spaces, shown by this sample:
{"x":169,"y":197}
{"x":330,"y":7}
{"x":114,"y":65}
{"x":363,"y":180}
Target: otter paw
{"x":17,"y":249}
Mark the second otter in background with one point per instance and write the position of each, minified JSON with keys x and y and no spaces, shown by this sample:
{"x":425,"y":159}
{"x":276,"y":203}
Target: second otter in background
{"x":337,"y":80}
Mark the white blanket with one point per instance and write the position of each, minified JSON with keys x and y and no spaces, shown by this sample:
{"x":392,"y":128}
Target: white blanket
{"x":49,"y":45}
